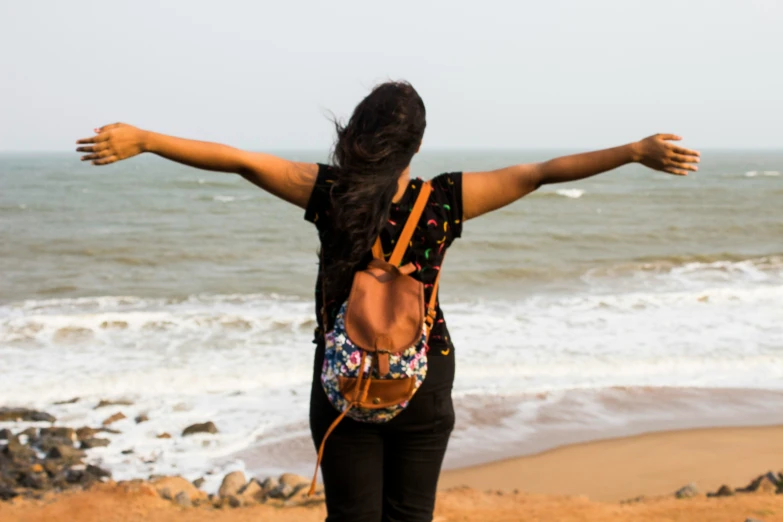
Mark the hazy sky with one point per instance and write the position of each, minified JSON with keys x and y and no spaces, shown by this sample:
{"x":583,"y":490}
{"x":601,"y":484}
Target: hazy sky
{"x":511,"y":74}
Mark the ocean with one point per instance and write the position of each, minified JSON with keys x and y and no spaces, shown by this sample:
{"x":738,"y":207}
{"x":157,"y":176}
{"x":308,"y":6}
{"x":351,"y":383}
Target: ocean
{"x":629,"y":302}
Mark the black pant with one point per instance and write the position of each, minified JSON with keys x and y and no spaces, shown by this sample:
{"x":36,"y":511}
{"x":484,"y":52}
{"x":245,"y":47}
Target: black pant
{"x":383,"y":472}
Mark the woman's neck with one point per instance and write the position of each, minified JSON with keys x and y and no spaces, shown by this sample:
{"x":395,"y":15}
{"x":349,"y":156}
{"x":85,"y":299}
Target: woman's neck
{"x":402,"y":184}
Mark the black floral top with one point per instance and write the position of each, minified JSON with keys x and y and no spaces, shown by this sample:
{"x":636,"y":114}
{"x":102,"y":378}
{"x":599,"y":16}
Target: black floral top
{"x":439,"y":226}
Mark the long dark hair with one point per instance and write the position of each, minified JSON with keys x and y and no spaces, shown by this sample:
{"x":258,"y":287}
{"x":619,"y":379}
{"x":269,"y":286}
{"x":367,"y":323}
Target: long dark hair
{"x":372,"y":150}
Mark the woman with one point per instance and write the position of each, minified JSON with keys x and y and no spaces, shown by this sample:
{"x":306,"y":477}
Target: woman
{"x":386,"y":471}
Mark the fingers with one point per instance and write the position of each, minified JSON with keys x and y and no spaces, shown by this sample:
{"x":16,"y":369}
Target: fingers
{"x":95,"y":139}
{"x":669,"y":137}
{"x":97,"y":155}
{"x":676,"y":171}
{"x":105,"y":161}
{"x":685,"y":160}
{"x":684,"y":151}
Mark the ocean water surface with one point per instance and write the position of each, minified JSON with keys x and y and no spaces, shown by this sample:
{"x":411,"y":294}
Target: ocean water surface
{"x":628,"y":302}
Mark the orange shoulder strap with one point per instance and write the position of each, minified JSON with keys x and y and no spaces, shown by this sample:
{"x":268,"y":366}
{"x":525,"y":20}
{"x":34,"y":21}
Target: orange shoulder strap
{"x":408,"y":229}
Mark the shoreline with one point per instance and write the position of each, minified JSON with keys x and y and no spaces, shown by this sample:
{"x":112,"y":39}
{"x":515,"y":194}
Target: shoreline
{"x":493,"y":429}
{"x":611,"y":480}
{"x":620,"y":468}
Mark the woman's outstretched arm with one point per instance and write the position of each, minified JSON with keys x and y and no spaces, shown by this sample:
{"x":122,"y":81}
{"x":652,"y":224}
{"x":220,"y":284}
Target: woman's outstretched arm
{"x":484,"y":192}
{"x":289,"y":180}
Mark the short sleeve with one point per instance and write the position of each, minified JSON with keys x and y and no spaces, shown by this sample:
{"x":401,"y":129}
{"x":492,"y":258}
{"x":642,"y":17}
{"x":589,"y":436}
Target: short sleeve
{"x":320,"y":202}
{"x":447,"y":192}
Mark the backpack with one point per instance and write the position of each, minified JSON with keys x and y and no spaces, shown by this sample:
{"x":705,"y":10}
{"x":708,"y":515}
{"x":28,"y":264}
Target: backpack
{"x":375,"y":357}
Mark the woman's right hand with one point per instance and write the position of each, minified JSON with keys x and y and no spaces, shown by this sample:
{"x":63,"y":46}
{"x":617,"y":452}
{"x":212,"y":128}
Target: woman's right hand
{"x":111,"y":143}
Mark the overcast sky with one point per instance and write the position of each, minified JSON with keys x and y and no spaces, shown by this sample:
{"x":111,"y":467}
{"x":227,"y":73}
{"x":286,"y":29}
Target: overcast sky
{"x":512,"y":74}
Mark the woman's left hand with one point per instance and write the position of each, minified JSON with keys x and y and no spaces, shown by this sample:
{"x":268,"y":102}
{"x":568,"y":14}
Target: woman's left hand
{"x":111,"y":143}
{"x":659,"y":153}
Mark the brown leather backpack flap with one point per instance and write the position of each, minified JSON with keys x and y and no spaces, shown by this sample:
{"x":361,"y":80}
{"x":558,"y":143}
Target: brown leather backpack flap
{"x":382,"y":393}
{"x":385,"y":310}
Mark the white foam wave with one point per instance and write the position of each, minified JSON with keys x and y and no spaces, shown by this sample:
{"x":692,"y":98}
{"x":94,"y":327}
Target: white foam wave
{"x":768,"y":173}
{"x":570,"y":193}
{"x":245,"y":361}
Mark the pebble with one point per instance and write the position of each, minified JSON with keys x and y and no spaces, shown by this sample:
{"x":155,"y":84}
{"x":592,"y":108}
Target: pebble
{"x":687,"y":491}
{"x":94,"y":443}
{"x":64,"y":433}
{"x":231,"y":484}
{"x":141,"y":418}
{"x":205,"y":427}
{"x":114,"y":418}
{"x":105,"y":403}
{"x":182,"y":499}
{"x":251,"y":492}
{"x":69,"y":401}
{"x":23,"y":414}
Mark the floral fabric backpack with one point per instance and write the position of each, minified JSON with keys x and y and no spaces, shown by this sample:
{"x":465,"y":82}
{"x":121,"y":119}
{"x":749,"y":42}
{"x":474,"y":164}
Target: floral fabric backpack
{"x":376,"y":355}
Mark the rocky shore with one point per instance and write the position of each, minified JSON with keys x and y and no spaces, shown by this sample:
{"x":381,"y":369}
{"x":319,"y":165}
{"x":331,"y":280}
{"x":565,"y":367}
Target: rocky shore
{"x":41,"y":464}
{"x":41,"y":460}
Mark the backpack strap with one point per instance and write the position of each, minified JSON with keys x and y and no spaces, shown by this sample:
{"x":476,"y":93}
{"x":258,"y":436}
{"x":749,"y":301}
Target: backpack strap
{"x":402,"y":246}
{"x":408,"y":229}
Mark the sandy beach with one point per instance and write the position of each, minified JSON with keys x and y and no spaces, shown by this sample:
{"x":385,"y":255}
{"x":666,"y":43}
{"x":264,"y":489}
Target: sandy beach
{"x":651,"y":464}
{"x":583,"y":482}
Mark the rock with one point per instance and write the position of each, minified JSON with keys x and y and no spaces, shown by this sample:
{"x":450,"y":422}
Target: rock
{"x":199,"y":482}
{"x":753,"y":520}
{"x":53,"y":466}
{"x":269,"y":485}
{"x":300,"y":497}
{"x":141,"y":418}
{"x":105,"y":403}
{"x":176,"y":485}
{"x":65,"y":452}
{"x":762,"y":485}
{"x":182,"y":499}
{"x":7,"y":493}
{"x":251,"y":492}
{"x":765,"y":487}
{"x":723,"y":491}
{"x":165,"y":493}
{"x":282,"y":491}
{"x":127,"y":452}
{"x":289,"y":479}
{"x":30,"y":433}
{"x":80,"y":477}
{"x":23,"y":414}
{"x":234,"y":501}
{"x":231,"y":484}
{"x":114,"y":418}
{"x":94,"y":443}
{"x":98,"y":472}
{"x":85,"y":433}
{"x":287,"y":486}
{"x":5,"y":434}
{"x":109,"y":430}
{"x":17,"y":451}
{"x":687,"y":492}
{"x":206,"y":427}
{"x":163,"y":436}
{"x":63,"y":433}
{"x":32,"y":480}
{"x":69,"y":401}
{"x":47,"y":443}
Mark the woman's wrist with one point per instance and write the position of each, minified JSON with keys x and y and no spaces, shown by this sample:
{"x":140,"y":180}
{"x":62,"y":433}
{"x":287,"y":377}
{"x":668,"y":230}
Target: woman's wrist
{"x":635,"y":151}
{"x":146,"y":141}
